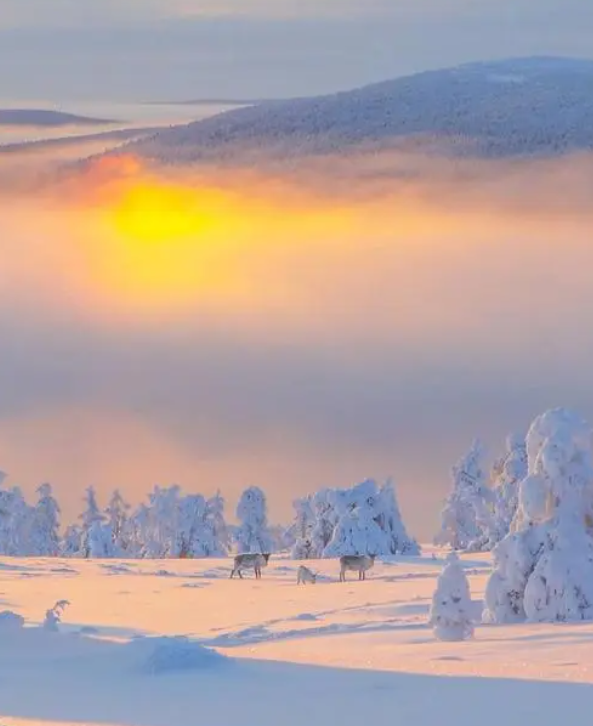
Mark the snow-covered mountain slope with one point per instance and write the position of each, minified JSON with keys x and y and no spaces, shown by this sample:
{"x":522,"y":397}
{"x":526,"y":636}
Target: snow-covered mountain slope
{"x":503,"y":108}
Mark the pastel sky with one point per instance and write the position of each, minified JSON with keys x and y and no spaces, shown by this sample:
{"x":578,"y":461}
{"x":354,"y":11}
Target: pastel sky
{"x":288,"y":336}
{"x":348,"y":338}
{"x":155,"y":49}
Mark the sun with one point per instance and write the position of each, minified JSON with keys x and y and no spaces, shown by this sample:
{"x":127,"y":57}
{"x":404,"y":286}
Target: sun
{"x":153,"y":213}
{"x":162,"y":244}
{"x":167,"y":244}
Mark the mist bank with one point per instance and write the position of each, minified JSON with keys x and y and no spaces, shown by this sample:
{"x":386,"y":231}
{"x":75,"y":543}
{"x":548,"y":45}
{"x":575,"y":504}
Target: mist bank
{"x":295,"y":328}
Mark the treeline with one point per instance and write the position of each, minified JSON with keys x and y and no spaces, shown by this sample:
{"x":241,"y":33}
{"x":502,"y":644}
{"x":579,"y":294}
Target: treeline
{"x":364,"y":519}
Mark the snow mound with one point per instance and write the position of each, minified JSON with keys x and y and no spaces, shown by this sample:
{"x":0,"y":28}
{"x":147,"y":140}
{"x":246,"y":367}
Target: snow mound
{"x":10,"y":622}
{"x":163,"y":655}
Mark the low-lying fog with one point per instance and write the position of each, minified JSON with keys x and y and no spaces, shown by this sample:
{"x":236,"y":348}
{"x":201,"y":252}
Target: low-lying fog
{"x":223,"y":329}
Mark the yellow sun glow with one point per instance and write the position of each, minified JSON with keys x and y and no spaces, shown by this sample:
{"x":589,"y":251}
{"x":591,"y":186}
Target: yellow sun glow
{"x":162,"y":243}
{"x":167,"y":243}
{"x":171,"y":244}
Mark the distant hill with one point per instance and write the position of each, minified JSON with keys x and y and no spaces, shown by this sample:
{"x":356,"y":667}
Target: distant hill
{"x":526,"y":106}
{"x":46,"y":118}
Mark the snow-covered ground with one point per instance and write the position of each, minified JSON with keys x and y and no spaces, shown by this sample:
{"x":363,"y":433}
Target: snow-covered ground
{"x":317,"y":654}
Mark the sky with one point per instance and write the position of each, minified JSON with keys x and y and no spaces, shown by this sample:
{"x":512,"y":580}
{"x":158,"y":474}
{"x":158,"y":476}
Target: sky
{"x":234,"y":330}
{"x":313,"y":337}
{"x":64,"y":50}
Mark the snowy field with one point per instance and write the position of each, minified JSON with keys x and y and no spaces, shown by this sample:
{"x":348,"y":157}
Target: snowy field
{"x":281,"y":654}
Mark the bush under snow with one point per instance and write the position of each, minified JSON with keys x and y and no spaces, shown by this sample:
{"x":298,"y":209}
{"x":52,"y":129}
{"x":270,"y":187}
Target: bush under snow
{"x":53,"y":616}
{"x":450,"y":614}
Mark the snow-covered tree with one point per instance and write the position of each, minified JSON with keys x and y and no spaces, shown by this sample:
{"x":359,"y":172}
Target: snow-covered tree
{"x":450,"y":614}
{"x":217,"y":532}
{"x":356,"y":533}
{"x":91,"y":516}
{"x":512,"y":470}
{"x":5,"y":517}
{"x":466,"y":518}
{"x":326,"y":519}
{"x":99,"y":541}
{"x":45,"y":524}
{"x":117,"y":517}
{"x":15,"y":523}
{"x":160,"y":535}
{"x":544,"y":567}
{"x":138,"y":526}
{"x":368,"y":522}
{"x":253,"y":534}
{"x":302,"y":529}
{"x":390,"y":520}
{"x":71,"y":544}
{"x":190,"y":527}
{"x":282,"y":538}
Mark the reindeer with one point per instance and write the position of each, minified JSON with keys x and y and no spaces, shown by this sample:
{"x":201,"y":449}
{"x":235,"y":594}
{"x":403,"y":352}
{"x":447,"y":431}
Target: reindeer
{"x":304,"y":575}
{"x":250,"y":562}
{"x":356,"y":563}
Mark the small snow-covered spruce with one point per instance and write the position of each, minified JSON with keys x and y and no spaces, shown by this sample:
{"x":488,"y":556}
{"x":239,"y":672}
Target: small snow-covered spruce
{"x":53,"y":616}
{"x":450,"y":614}
{"x":253,"y":534}
{"x":544,"y":566}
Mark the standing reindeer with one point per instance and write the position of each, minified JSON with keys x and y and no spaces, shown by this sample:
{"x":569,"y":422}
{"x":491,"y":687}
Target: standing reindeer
{"x":250,"y":562}
{"x":356,"y":563}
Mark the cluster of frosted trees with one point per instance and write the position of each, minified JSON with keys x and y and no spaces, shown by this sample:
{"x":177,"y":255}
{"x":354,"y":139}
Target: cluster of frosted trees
{"x":543,"y":565}
{"x":173,"y":524}
{"x":480,"y":510}
{"x":170,"y":524}
{"x":364,"y":519}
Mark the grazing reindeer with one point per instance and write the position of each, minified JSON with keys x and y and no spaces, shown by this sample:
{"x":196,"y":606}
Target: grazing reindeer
{"x":304,"y":575}
{"x":250,"y":562}
{"x":357,"y":563}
